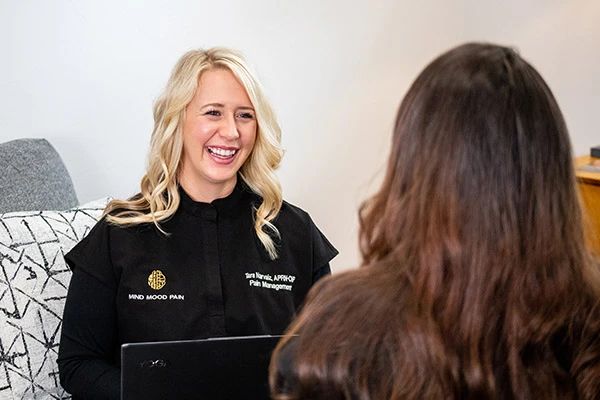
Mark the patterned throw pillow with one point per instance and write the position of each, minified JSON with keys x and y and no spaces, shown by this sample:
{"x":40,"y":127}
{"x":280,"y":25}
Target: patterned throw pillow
{"x":33,"y":286}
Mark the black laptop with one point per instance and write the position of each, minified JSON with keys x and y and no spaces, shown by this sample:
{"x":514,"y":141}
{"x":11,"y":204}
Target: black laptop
{"x":220,"y":368}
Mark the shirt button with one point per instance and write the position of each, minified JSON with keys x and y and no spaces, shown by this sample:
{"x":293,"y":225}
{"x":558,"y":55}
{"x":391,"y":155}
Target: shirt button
{"x":209,"y":213}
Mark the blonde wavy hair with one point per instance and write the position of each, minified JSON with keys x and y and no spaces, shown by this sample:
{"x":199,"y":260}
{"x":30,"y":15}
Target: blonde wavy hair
{"x":159,"y":196}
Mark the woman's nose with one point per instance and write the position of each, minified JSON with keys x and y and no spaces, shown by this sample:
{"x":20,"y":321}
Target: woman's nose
{"x":229,"y":128}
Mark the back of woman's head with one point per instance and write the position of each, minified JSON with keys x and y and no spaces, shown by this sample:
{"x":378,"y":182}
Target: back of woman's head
{"x":477,"y":228}
{"x":480,"y":177}
{"x":480,"y":160}
{"x":479,"y":209}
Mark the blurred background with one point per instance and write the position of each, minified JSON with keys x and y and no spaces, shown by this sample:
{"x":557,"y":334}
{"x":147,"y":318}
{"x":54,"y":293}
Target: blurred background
{"x":84,"y":74}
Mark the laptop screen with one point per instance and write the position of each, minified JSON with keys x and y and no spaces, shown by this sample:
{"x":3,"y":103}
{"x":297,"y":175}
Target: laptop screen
{"x":220,"y":368}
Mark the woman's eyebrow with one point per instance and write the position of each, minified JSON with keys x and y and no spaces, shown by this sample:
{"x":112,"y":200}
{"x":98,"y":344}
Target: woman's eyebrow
{"x":213,"y":105}
{"x":223,"y":105}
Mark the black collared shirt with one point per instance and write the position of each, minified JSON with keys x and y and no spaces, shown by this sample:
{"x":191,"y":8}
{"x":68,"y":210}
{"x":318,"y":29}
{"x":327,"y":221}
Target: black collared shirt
{"x":210,"y":276}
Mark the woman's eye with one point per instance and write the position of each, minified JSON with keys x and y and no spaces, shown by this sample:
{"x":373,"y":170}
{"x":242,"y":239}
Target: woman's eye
{"x":246,"y":115}
{"x":215,"y":113}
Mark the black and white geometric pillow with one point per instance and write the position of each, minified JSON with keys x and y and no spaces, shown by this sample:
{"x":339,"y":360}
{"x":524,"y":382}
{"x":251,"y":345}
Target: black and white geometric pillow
{"x":33,"y":286}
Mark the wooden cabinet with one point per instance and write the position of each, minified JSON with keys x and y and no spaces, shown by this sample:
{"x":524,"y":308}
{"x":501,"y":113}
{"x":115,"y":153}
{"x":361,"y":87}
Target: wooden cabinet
{"x":589,"y":187}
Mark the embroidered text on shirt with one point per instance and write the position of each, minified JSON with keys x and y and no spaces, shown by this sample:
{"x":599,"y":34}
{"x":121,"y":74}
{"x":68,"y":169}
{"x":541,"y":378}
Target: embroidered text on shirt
{"x":256,"y":279}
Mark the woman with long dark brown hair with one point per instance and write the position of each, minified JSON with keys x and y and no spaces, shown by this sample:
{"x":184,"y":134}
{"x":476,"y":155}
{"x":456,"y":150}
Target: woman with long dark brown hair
{"x":475,"y":281}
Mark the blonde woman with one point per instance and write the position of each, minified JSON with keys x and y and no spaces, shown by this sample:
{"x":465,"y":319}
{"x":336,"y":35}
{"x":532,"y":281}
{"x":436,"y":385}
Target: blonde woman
{"x":208,"y":247}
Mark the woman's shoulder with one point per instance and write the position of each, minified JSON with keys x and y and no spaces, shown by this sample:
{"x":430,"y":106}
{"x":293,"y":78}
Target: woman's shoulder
{"x":291,"y":211}
{"x":293,"y":221}
{"x":296,"y":218}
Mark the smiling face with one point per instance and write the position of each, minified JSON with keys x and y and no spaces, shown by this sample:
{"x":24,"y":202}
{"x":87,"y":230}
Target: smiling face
{"x":219,"y":131}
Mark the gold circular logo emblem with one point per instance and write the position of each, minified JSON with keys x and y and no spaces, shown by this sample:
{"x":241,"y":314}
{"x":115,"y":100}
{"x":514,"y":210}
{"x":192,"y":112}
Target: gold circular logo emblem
{"x":157,"y":280}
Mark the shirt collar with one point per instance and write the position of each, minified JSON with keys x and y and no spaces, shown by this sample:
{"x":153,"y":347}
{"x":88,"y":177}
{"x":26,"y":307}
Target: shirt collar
{"x":224,"y":205}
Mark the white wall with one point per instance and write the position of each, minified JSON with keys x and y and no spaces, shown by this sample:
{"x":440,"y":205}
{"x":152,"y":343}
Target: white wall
{"x":84,"y":75}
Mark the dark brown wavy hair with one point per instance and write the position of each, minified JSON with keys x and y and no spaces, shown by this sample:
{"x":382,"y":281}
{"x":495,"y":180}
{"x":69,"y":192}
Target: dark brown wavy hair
{"x":475,"y":282}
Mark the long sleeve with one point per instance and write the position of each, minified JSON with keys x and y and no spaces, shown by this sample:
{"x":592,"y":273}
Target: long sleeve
{"x":87,"y":356}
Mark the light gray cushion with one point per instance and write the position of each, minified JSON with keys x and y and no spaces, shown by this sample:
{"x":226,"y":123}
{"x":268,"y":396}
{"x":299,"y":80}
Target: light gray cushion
{"x":33,"y":286}
{"x":33,"y":177}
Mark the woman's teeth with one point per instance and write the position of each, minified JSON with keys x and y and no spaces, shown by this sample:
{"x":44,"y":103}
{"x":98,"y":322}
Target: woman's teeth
{"x":221,"y":152}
